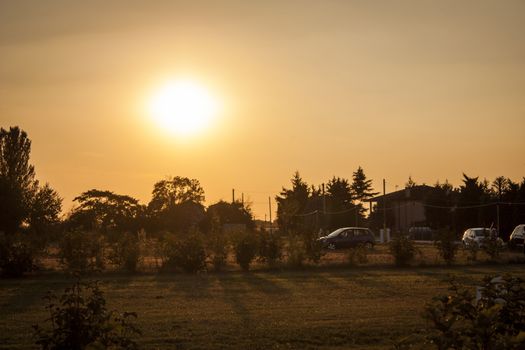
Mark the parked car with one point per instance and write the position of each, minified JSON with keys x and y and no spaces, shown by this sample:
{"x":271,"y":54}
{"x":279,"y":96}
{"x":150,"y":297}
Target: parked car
{"x":478,"y":235}
{"x":347,"y":237}
{"x":517,"y":235}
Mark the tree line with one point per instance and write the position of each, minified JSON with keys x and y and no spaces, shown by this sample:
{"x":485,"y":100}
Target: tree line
{"x":30,"y":215}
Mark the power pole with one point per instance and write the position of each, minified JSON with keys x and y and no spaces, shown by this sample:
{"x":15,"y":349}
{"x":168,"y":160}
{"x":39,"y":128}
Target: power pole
{"x":233,"y":195}
{"x":324,"y":209}
{"x":384,"y":207}
{"x":270,"y":209}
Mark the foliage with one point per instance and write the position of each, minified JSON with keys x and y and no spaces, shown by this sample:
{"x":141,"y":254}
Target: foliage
{"x":79,"y":319}
{"x":472,"y":248}
{"x":492,"y":245}
{"x":313,"y":248}
{"x":175,"y":190}
{"x":494,"y":320}
{"x":218,"y":249}
{"x":296,"y":252}
{"x":339,"y":198}
{"x":292,"y":202}
{"x":447,"y":246}
{"x":270,"y":247}
{"x":23,"y":202}
{"x":106,"y":212}
{"x":357,"y":255}
{"x":183,"y":251}
{"x":82,"y":251}
{"x":245,"y":247}
{"x":403,"y":250}
{"x":229,"y":213}
{"x":17,"y":255}
{"x":126,"y":252}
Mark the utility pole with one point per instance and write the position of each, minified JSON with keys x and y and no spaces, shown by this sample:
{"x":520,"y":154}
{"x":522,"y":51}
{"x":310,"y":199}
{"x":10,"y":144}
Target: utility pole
{"x":233,"y":195}
{"x":270,"y":209}
{"x":324,"y":208}
{"x":384,"y":207}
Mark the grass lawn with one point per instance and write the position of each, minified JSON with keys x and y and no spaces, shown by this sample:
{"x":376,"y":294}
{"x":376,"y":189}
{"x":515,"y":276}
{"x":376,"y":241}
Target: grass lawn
{"x":328,"y":308}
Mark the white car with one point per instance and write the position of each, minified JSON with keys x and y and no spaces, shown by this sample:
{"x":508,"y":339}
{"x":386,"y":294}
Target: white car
{"x":517,"y":235}
{"x":477,"y":236}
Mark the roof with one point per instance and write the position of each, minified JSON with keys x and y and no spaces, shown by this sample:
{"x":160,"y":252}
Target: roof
{"x":418,"y":192}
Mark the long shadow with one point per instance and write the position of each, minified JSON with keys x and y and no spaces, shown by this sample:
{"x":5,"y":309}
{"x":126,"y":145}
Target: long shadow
{"x":234,"y":292}
{"x":191,"y":286}
{"x":28,"y":294}
{"x":261,"y":282}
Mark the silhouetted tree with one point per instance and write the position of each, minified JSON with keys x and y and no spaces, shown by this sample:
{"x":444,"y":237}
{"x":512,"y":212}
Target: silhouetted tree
{"x":474,"y":194}
{"x":176,"y":204}
{"x":22,"y":199}
{"x":362,"y":189}
{"x":291,"y":203}
{"x":229,"y":213}
{"x":106,"y":211}
{"x":439,"y":206}
{"x":339,"y":203}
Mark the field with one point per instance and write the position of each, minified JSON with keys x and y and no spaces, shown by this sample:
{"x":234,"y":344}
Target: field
{"x":326,"y":307}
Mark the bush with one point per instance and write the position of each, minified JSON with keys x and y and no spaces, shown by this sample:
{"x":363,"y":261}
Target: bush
{"x":357,"y":255}
{"x":82,"y":251}
{"x":185,"y":252}
{"x":403,"y":250}
{"x":313,"y":248}
{"x":218,"y":248}
{"x":492,"y":245}
{"x":17,"y":256}
{"x":79,"y":319}
{"x":447,"y":246}
{"x":126,"y":252}
{"x":245,"y":248}
{"x":472,"y":248}
{"x":492,"y":320}
{"x":270,"y":248}
{"x":296,"y":252}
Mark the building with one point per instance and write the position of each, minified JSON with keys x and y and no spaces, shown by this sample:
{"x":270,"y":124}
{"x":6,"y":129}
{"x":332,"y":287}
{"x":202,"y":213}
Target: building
{"x":404,"y":208}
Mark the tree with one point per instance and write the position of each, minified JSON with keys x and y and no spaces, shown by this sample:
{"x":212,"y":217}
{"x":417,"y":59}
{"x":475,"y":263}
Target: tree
{"x":362,"y":189}
{"x":229,"y":213}
{"x":439,"y":203}
{"x":341,"y":209}
{"x":22,"y":199}
{"x":106,"y":211}
{"x":291,"y":203}
{"x":473,"y":194}
{"x":175,"y":190}
{"x":176,"y":204}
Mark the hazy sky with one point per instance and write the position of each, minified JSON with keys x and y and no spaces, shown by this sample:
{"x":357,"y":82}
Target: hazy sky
{"x":429,"y":89}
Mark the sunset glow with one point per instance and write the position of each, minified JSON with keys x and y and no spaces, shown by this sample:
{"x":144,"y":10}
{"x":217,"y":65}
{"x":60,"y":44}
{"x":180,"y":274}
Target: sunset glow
{"x":182,"y":107}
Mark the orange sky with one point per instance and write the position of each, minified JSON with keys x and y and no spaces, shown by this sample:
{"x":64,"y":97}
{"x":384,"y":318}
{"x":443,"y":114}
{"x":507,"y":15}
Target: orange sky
{"x":429,"y":89}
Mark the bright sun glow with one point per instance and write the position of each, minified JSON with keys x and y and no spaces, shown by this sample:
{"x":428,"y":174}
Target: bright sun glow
{"x":183,"y":107}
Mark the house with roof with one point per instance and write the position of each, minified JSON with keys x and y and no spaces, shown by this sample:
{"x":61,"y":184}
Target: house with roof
{"x":403,"y":209}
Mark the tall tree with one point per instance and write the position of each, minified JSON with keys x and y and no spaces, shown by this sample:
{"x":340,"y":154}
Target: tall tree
{"x":361,"y":186}
{"x":291,"y":203}
{"x":473,"y":195}
{"x":341,"y":209}
{"x":22,"y":199}
{"x":362,"y":190}
{"x":176,"y":204}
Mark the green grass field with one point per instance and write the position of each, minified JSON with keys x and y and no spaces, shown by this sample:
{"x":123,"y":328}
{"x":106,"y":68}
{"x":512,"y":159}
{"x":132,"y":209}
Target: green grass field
{"x":315,"y":308}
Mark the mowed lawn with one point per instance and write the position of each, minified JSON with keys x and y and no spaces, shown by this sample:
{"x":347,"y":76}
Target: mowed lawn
{"x":324,"y":308}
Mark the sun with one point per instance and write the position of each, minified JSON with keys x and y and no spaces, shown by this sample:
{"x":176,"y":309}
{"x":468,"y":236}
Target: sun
{"x":183,"y":107}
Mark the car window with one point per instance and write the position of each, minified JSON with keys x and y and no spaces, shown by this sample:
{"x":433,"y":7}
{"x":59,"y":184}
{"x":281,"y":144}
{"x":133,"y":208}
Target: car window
{"x":479,"y":233}
{"x":335,"y":233}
